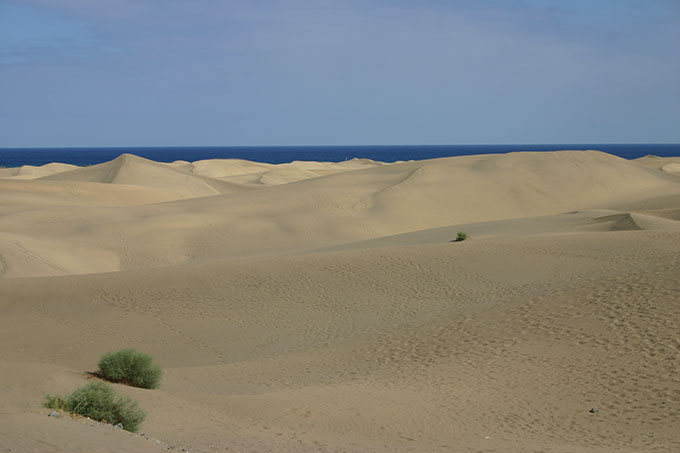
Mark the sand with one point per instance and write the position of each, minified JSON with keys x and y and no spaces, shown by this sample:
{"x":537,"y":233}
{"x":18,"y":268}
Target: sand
{"x":323,"y":307}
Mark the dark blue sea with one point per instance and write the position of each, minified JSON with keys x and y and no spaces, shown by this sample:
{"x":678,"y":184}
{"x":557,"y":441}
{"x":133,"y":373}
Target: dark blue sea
{"x":15,"y":157}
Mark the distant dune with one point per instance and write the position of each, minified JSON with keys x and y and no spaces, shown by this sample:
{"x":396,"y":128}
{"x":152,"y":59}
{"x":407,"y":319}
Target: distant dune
{"x":137,"y":171}
{"x":319,"y":306}
{"x":353,"y":205}
{"x":667,"y":164}
{"x":32,"y":172}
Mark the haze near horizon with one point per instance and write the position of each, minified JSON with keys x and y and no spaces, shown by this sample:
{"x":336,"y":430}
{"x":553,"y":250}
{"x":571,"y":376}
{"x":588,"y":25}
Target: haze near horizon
{"x":145,"y":73}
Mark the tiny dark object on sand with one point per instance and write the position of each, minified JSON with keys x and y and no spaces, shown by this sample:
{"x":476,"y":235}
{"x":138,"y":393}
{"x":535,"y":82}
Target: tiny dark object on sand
{"x":593,"y":411}
{"x":461,"y":237}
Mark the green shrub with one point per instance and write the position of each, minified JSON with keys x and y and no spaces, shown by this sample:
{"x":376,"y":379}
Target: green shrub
{"x":461,"y":237}
{"x":55,"y":402}
{"x":100,"y":402}
{"x":130,"y":367}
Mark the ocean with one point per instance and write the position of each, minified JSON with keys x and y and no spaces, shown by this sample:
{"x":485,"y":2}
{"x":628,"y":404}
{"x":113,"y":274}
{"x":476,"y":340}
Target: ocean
{"x":16,"y":157}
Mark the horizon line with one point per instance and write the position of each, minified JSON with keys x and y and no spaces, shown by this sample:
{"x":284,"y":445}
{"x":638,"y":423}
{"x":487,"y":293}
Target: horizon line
{"x":330,"y":146}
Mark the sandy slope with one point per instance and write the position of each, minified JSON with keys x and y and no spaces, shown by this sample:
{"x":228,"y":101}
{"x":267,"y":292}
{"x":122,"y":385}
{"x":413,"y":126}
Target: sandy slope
{"x":257,"y":173}
{"x":322,"y":211}
{"x":33,"y":172}
{"x":332,"y":313}
{"x":667,"y":164}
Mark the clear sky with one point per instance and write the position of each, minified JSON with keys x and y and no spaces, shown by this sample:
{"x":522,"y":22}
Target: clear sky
{"x":313,"y":72}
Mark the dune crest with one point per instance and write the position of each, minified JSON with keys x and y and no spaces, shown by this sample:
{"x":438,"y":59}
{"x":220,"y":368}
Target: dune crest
{"x":132,"y":170}
{"x":33,"y":172}
{"x":316,"y":306}
{"x":335,"y":209}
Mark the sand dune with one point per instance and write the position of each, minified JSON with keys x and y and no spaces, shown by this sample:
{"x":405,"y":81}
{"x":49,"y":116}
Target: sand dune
{"x":136,"y":171}
{"x":21,"y":194}
{"x":322,"y":307}
{"x":33,"y":172}
{"x":256,"y":173}
{"x":568,"y":223}
{"x":667,"y":164}
{"x":340,"y":208}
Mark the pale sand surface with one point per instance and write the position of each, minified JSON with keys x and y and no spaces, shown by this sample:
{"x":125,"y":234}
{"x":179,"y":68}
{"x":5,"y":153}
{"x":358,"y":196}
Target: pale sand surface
{"x":322,"y":307}
{"x":667,"y":164}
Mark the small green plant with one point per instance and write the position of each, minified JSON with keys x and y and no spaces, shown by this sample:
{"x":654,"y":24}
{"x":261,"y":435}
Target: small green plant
{"x":461,"y":237}
{"x":55,"y":402}
{"x":130,"y":367}
{"x":100,"y":402}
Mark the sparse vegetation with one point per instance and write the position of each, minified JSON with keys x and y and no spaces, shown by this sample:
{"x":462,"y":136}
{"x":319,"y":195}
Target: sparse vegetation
{"x":461,"y":237}
{"x":130,"y":367}
{"x":55,"y":402}
{"x":100,"y":402}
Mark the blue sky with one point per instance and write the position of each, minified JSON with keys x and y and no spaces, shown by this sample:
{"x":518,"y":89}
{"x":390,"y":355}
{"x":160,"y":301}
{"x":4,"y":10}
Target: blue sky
{"x":303,"y":72}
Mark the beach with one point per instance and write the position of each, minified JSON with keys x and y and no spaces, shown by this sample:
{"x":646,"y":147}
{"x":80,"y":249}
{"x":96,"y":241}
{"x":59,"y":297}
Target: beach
{"x":326,"y":306}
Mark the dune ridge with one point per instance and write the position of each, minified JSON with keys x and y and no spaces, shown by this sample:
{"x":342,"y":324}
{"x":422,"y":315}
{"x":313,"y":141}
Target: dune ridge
{"x":323,"y":307}
{"x":350,"y":206}
{"x":138,"y":171}
{"x":667,"y":164}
